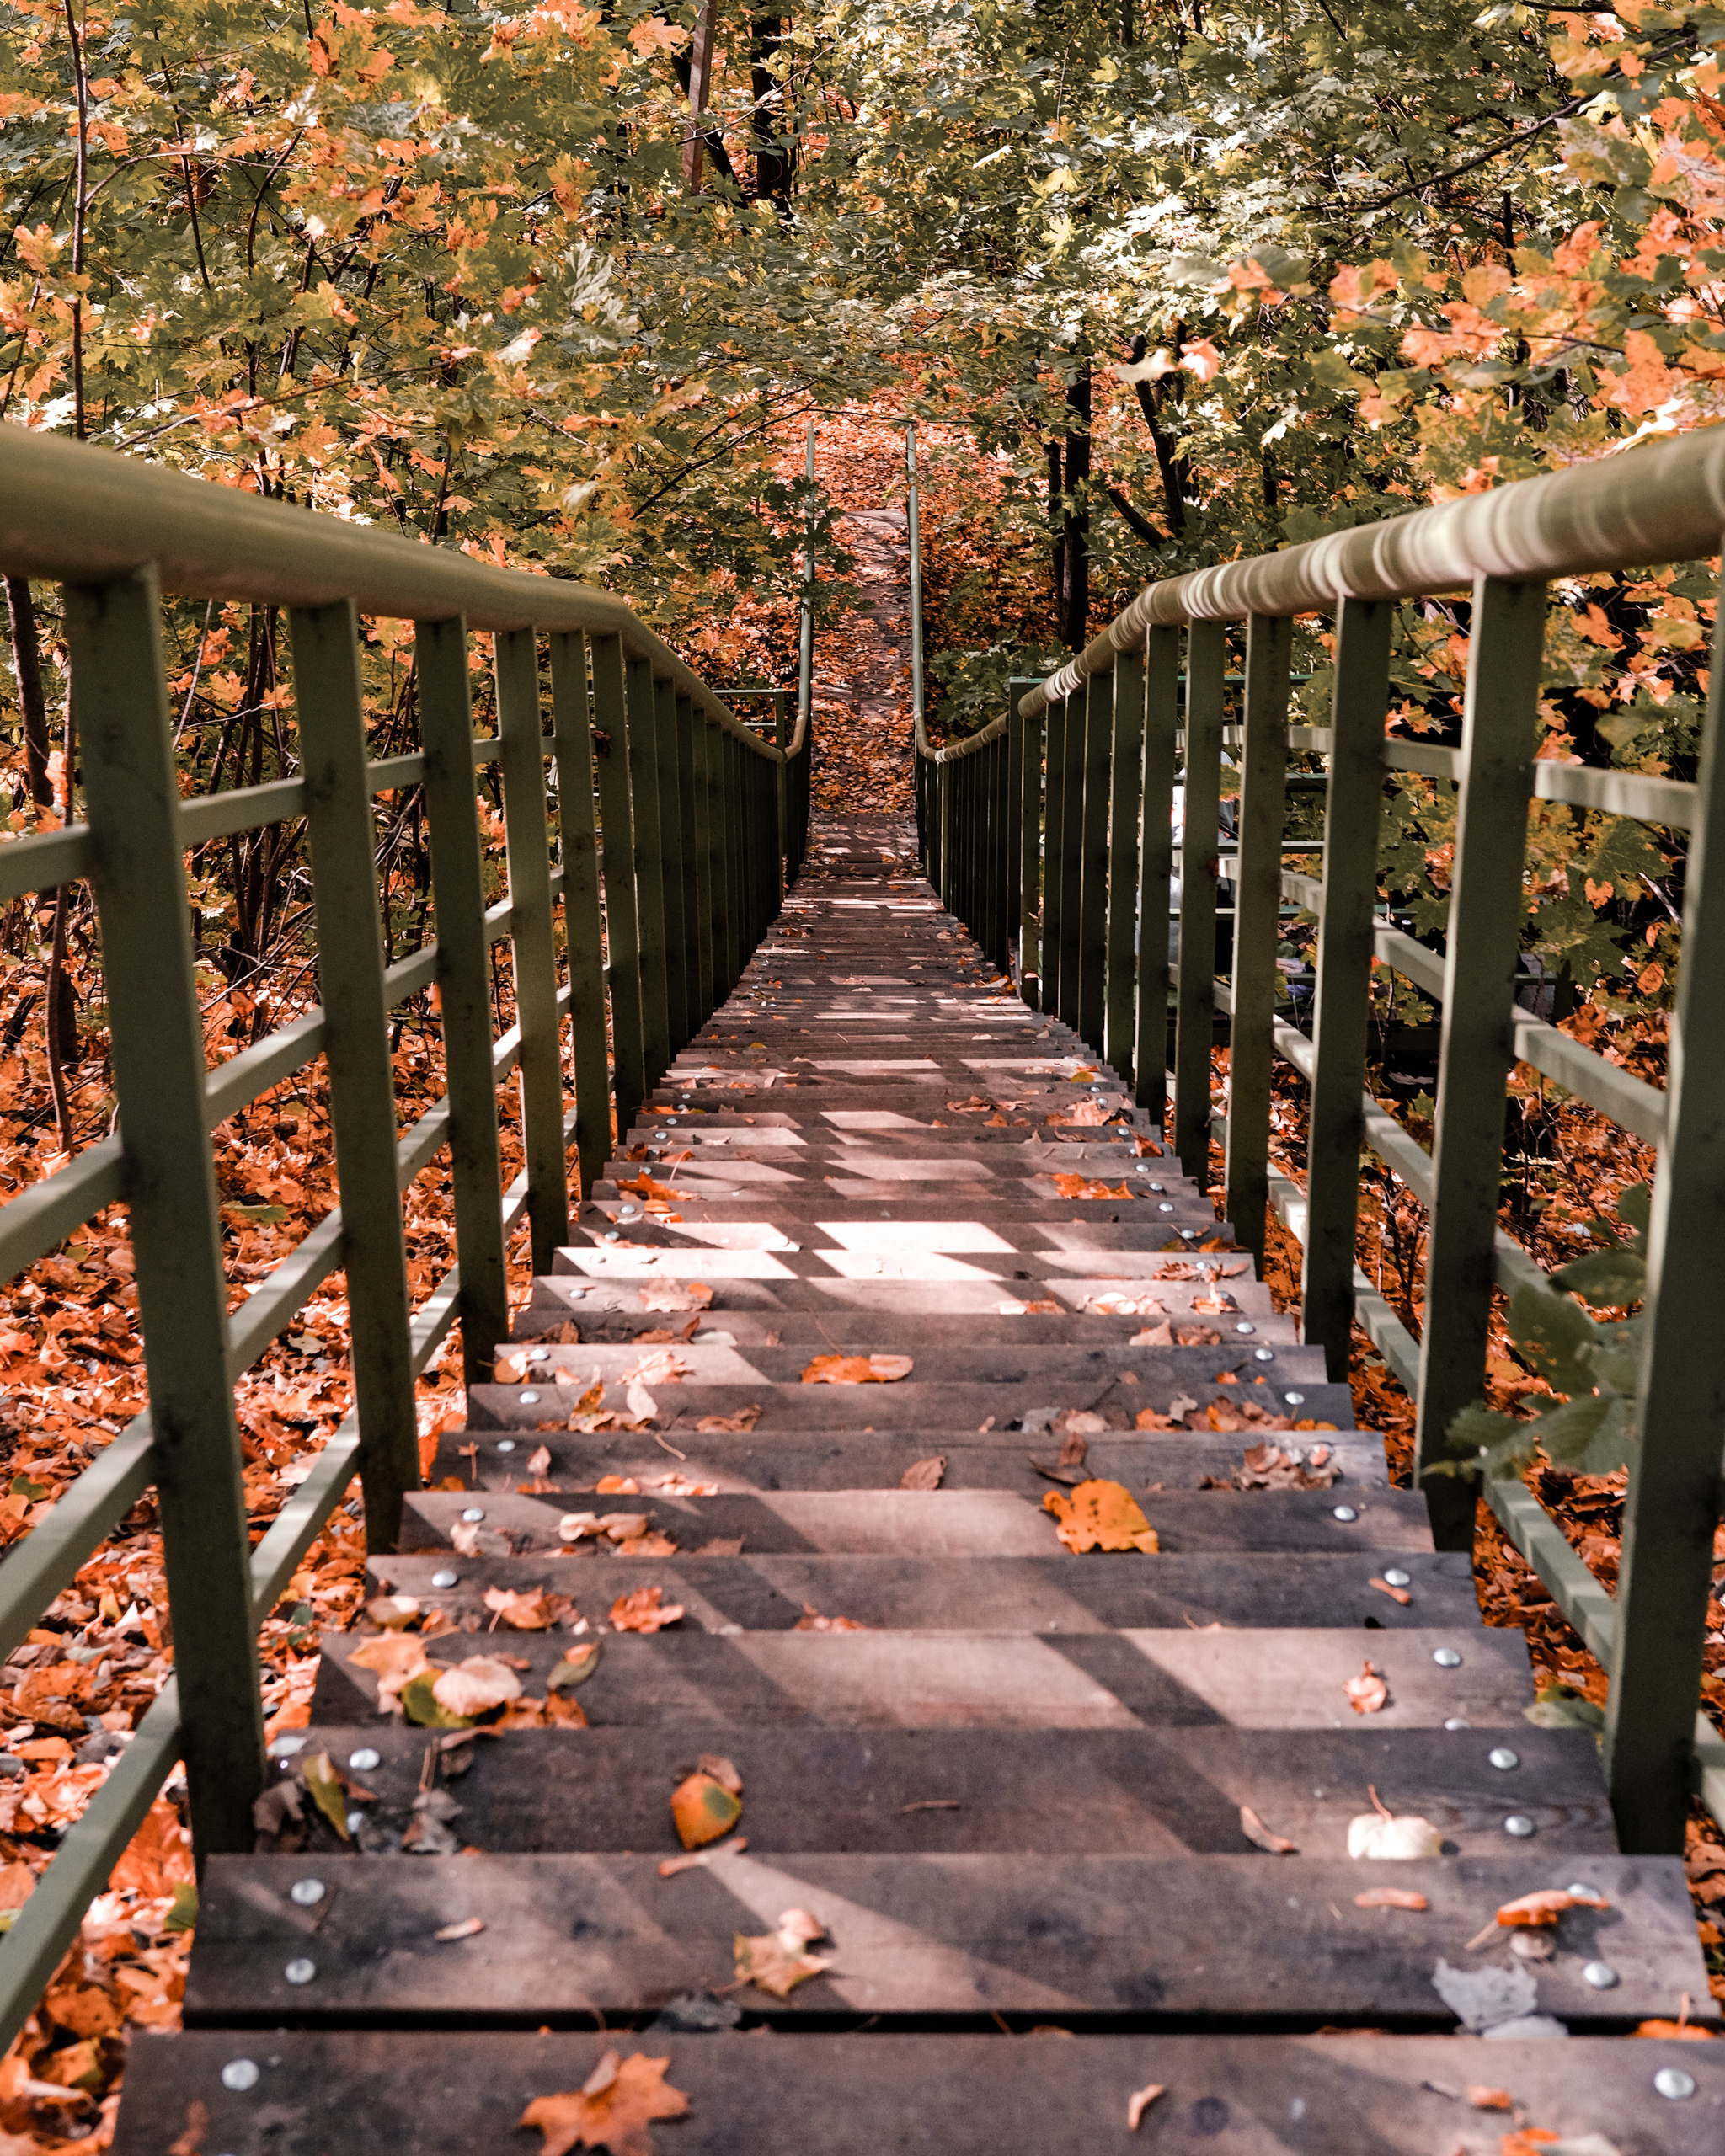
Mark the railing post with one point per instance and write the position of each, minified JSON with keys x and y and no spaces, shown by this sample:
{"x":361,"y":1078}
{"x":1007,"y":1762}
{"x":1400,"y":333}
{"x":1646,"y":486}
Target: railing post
{"x":736,"y":837}
{"x":1483,"y":935}
{"x":527,"y":840}
{"x":696,"y":1008}
{"x":1194,"y":1021}
{"x":1336,"y":1122}
{"x":622,"y":928}
{"x":643,"y":744}
{"x":1071,"y":858}
{"x":157,"y":1054}
{"x":1059,"y":716}
{"x":1155,"y":869}
{"x":1012,"y":849}
{"x":712,"y":780}
{"x":464,"y":990}
{"x":1258,"y":908}
{"x":1093,"y":859}
{"x":781,"y":737}
{"x":581,"y":904}
{"x":1126,"y":762}
{"x":1665,"y":1571}
{"x":1030,"y":876}
{"x":701,"y":734}
{"x":679,"y":1020}
{"x":329,"y":701}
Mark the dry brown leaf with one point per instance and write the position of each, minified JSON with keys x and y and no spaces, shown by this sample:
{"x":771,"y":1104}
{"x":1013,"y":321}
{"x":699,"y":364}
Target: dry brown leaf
{"x":1489,"y":2100}
{"x":1154,"y":1336}
{"x":1261,"y":1836}
{"x":676,"y":1295}
{"x":858,"y":1370}
{"x":390,"y":1612}
{"x":703,"y":1809}
{"x":616,"y":1486}
{"x":811,"y":1621}
{"x":1682,"y":2030}
{"x":468,"y":1928}
{"x":746,"y":1418}
{"x":397,"y":1658}
{"x":539,"y":1460}
{"x":924,"y":1474}
{"x":1367,"y":1693}
{"x":1544,"y":1907}
{"x":525,"y":1609}
{"x":476,"y":1685}
{"x":671,"y":1866}
{"x":722,"y":1771}
{"x":1139,"y":2101}
{"x":653,"y":1543}
{"x":1390,"y":1897}
{"x":620,"y":2100}
{"x":1395,"y":1593}
{"x":663,"y":1366}
{"x":1090,"y":1113}
{"x":642,"y":1611}
{"x":1101,"y":1515}
{"x":777,"y":1962}
{"x":1072,"y":1186}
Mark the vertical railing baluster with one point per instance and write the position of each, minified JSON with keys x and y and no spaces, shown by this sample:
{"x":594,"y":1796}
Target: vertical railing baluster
{"x":1665,"y":1573}
{"x":714,"y":781}
{"x":623,"y":931}
{"x":1012,"y":849}
{"x":527,"y":841}
{"x":1030,"y":869}
{"x":650,"y":867}
{"x":1483,"y":935}
{"x":1342,"y":1007}
{"x":330,"y":702}
{"x":1053,"y":882}
{"x":1071,"y":857}
{"x":700,"y":856}
{"x":1156,"y":870}
{"x":580,"y":905}
{"x":679,"y":1022}
{"x":464,"y":990}
{"x":1126,"y":767}
{"x":156,"y":1052}
{"x":1258,"y":908}
{"x":1194,"y":1034}
{"x":697,"y":1010}
{"x":1093,"y":859}
{"x":782,"y":786}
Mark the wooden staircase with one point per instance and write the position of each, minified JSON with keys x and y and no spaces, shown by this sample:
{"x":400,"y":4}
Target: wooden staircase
{"x":1030,"y":1798}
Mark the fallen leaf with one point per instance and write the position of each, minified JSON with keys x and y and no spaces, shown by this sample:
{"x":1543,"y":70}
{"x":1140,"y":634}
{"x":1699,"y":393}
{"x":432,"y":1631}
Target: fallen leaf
{"x":642,"y":1405}
{"x":1395,"y":1593}
{"x":672,"y":1295}
{"x":539,"y":1460}
{"x":1367,"y":1693}
{"x":621,"y":2100}
{"x":189,"y":2143}
{"x":1154,"y":1336}
{"x":392,"y":1611}
{"x":397,"y":1658}
{"x":577,"y":1666}
{"x":324,"y":1787}
{"x":811,"y":1621}
{"x":1545,"y":1906}
{"x":476,"y":1685}
{"x":746,"y":1418}
{"x":1267,"y":1467}
{"x":529,"y":1610}
{"x":420,"y":1705}
{"x":1489,"y":2100}
{"x":1139,"y":2101}
{"x":1083,"y":1187}
{"x":703,"y":1809}
{"x":656,"y":1544}
{"x":1390,"y":1897}
{"x":642,"y":1611}
{"x":616,"y":1486}
{"x":776,"y":1961}
{"x":1089,"y":1113}
{"x":1100,"y":1516}
{"x":722,"y":1771}
{"x":671,"y":1866}
{"x":663,"y":1366}
{"x":467,"y":1929}
{"x":1379,"y":1833}
{"x":1261,"y":1837}
{"x":858,"y":1370}
{"x":1681,"y":2030}
{"x":924,"y":1474}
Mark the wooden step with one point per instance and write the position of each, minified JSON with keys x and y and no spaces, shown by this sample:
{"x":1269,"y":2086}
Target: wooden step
{"x":570,"y":1935}
{"x":456,"y":2092}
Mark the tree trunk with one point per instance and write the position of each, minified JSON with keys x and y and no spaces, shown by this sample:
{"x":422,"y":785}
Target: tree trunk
{"x":1173,"y":467}
{"x":1072,"y":588}
{"x":774,"y":161}
{"x":27,"y":658}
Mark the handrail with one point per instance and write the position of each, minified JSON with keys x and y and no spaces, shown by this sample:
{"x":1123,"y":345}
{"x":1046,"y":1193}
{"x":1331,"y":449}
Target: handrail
{"x":1656,"y":502}
{"x":1050,"y":833}
{"x":75,"y":514}
{"x":674,"y":818}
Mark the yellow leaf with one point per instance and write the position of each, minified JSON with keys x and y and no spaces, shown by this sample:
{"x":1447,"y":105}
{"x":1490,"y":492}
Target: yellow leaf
{"x":703,"y":1809}
{"x":1100,"y":1516}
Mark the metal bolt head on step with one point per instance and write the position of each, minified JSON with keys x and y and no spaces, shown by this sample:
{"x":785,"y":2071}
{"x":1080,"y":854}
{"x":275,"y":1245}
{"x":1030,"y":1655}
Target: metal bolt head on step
{"x":1458,"y":1721}
{"x":1395,"y":1576}
{"x":1345,"y":1513}
{"x":1600,"y":1975}
{"x":542,"y":1354}
{"x":1166,"y":1208}
{"x":305,"y":1894}
{"x":1294,"y":1399}
{"x":240,"y":2074}
{"x":1263,"y":1355}
{"x":365,"y":1760}
{"x":446,"y":1579}
{"x":508,"y":1444}
{"x":1243,"y":1327}
{"x":473,"y":1511}
{"x":1519,"y":1825}
{"x":1446,"y":1658}
{"x":1583,"y":1892}
{"x":1502,"y":1758}
{"x":301,"y":1970}
{"x":1673,"y":2082}
{"x":526,"y":1399}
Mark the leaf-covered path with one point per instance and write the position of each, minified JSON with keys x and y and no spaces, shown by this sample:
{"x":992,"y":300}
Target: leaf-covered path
{"x":905,"y":1579}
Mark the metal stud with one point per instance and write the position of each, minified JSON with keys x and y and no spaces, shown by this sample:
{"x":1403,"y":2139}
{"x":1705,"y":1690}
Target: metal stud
{"x":1673,"y":2082}
{"x":1158,"y":1187}
{"x":365,"y":1760}
{"x":1583,"y":1892}
{"x":1165,"y":1207}
{"x":1520,"y":1825}
{"x":306,"y":1893}
{"x":240,"y":2074}
{"x":1446,"y":1658}
{"x":474,"y":1512}
{"x":1502,"y":1758}
{"x":1458,"y":1721}
{"x":1189,"y":1235}
{"x":1345,"y":1513}
{"x":1263,"y":1355}
{"x":1395,"y":1576}
{"x":1294,"y":1399}
{"x":355,"y":1820}
{"x":445,"y":1579}
{"x":529,"y":1400}
{"x":508,"y":1444}
{"x":1600,"y":1975}
{"x":284,"y":1747}
{"x":1243,"y":1327}
{"x":538,"y":1354}
{"x":300,"y":1971}
{"x":613,"y":1236}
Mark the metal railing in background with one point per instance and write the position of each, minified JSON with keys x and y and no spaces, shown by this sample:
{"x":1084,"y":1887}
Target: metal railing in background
{"x":666,"y":890}
{"x":1060,"y":812}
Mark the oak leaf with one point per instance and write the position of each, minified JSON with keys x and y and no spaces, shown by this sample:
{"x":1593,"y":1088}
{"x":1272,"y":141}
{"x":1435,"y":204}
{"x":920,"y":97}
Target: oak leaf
{"x":621,"y":2099}
{"x":1101,"y":1515}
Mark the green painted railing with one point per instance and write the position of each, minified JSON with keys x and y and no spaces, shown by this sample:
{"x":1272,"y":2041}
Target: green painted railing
{"x":677,"y":827}
{"x":1048,"y":834}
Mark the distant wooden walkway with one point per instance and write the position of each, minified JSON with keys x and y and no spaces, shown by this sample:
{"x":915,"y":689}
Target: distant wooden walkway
{"x":1018,"y":1792}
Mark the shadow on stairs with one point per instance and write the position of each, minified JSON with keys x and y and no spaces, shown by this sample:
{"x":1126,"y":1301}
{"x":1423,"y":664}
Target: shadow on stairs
{"x":781,"y":1499}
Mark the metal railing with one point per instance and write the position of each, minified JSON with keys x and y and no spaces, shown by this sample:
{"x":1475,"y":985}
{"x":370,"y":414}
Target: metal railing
{"x":1050,"y":833}
{"x":664,"y":892}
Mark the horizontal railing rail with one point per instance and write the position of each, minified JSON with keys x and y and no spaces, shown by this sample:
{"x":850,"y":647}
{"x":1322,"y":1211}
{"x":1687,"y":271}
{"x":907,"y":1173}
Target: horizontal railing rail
{"x":1050,"y":833}
{"x":676,"y":829}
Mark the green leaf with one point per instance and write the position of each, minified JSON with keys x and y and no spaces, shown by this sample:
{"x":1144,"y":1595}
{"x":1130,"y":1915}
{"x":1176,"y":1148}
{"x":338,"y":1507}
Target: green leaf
{"x":257,"y":1215}
{"x":419,"y":1706}
{"x":574,"y":1668}
{"x":1590,"y":1434}
{"x":1635,"y":1207}
{"x":1557,"y":1707}
{"x":1611,"y":1278}
{"x":183,"y":1913}
{"x":324,"y":1786}
{"x":1548,"y":1329}
{"x":23,"y":1486}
